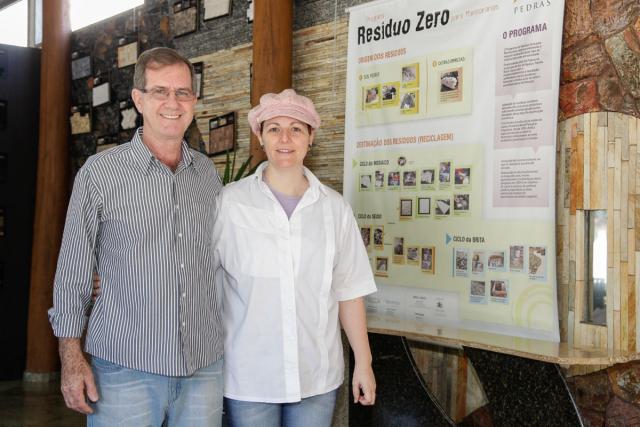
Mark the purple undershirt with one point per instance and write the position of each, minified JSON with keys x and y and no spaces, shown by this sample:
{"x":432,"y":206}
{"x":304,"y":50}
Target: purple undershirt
{"x":288,"y":203}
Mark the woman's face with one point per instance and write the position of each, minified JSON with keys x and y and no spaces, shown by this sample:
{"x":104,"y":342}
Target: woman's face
{"x":286,"y":141}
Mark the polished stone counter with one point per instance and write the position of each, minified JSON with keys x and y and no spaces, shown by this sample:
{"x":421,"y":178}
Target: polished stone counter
{"x":544,"y":351}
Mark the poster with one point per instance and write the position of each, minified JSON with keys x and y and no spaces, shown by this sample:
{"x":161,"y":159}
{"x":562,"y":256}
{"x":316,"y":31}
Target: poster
{"x":449,"y":166}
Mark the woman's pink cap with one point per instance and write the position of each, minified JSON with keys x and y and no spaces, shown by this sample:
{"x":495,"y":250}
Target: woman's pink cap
{"x":287,"y":103}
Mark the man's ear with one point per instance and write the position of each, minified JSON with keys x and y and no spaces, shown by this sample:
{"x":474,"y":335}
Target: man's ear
{"x":136,"y":95}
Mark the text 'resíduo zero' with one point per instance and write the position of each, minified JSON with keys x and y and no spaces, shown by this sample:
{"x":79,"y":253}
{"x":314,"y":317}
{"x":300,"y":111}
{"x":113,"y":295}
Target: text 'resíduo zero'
{"x":393,"y":27}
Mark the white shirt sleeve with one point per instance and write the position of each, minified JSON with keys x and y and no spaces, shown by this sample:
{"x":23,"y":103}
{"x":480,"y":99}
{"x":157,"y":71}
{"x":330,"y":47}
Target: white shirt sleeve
{"x":352,"y":275}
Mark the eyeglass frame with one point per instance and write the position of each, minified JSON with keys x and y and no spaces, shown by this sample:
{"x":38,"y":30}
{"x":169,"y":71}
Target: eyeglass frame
{"x":156,"y":94}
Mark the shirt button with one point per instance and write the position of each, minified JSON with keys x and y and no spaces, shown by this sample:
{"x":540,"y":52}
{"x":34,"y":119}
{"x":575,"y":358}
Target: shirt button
{"x":184,"y":323}
{"x":184,"y":294}
{"x":181,"y":265}
{"x":177,"y":207}
{"x":180,"y":235}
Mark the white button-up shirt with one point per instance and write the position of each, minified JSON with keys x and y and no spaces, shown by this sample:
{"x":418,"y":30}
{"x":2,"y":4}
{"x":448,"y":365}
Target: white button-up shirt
{"x":283,"y":281}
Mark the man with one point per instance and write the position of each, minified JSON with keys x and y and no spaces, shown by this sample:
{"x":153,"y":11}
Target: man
{"x":141,"y":216}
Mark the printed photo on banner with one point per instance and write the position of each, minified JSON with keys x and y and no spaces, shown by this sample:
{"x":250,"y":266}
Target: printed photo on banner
{"x":460,"y":203}
{"x":477,"y":262}
{"x":409,"y":179}
{"x":428,"y":259}
{"x":461,"y":260}
{"x":413,"y":255}
{"x":410,"y":102}
{"x":495,"y":261}
{"x":451,"y":86}
{"x":443,"y":207}
{"x":424,"y":206}
{"x":379,"y":182}
{"x":516,"y":258}
{"x":371,"y":97}
{"x":411,"y":76}
{"x":538,"y":263}
{"x":390,"y":94}
{"x":366,"y":236}
{"x":477,"y":292}
{"x":398,"y":250}
{"x":382,"y":266}
{"x":378,"y":237}
{"x":406,"y":208}
{"x":462,"y":177}
{"x":499,"y":291}
{"x":365,"y":182}
{"x":427,"y":178}
{"x":393,"y":181}
{"x":444,"y":175}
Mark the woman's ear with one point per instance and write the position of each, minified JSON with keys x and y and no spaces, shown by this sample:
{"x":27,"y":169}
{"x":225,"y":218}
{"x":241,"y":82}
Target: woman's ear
{"x":312,"y":135}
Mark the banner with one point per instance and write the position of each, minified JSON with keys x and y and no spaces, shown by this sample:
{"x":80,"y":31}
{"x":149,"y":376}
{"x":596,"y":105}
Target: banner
{"x":450,"y":134}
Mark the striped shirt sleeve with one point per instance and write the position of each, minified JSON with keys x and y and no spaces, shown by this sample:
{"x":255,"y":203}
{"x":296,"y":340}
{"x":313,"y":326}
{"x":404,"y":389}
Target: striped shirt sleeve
{"x":76,"y":261}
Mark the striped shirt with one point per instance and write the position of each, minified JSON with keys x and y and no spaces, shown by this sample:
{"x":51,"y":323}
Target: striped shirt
{"x":147,"y":232}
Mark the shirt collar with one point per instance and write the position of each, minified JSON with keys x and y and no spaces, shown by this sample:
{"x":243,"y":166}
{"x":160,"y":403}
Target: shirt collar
{"x":315,"y":186}
{"x":145,"y":158}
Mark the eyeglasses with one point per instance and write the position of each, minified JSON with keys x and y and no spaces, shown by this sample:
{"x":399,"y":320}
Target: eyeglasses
{"x":163,"y":93}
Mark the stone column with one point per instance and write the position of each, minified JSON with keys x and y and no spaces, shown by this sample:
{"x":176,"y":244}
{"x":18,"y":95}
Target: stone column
{"x":52,"y":186}
{"x":272,"y":46}
{"x":600,"y":112}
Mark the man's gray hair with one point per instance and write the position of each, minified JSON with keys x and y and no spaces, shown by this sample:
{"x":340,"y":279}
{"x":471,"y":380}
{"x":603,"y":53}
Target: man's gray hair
{"x":159,"y":57}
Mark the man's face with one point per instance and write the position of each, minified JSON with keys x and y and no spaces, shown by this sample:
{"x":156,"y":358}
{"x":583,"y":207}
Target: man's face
{"x":165,"y":119}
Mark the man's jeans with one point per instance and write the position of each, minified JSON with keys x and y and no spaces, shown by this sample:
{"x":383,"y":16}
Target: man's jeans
{"x":134,"y":398}
{"x":314,"y":411}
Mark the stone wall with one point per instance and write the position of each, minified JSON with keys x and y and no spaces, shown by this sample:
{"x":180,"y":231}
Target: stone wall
{"x":597,"y":169}
{"x":600,"y":57}
{"x":226,"y":37}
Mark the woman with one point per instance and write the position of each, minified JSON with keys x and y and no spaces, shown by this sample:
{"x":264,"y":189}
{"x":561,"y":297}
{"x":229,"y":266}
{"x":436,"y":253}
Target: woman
{"x":294,"y":264}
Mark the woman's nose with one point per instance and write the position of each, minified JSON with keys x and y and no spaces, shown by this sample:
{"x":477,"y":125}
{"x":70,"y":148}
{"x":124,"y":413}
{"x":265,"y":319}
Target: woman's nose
{"x":285,"y":135}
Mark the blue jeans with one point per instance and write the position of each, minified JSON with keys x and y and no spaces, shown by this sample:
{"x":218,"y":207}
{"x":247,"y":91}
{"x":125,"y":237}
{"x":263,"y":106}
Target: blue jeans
{"x":314,"y":411}
{"x":134,"y":398}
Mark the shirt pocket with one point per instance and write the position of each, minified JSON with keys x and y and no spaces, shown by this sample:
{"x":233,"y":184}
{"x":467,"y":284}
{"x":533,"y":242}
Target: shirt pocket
{"x":253,"y":241}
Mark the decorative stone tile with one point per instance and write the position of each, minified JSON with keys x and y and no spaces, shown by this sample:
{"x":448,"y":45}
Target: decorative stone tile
{"x":625,"y":381}
{"x":611,"y":16}
{"x":589,"y":61}
{"x":591,"y":391}
{"x":622,"y":414}
{"x":611,"y":95}
{"x":591,"y":418}
{"x":579,"y":97}
{"x":626,"y":62}
{"x":577,"y":22}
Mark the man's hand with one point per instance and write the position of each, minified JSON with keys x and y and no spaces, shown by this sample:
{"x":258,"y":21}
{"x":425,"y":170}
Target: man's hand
{"x":77,"y":378}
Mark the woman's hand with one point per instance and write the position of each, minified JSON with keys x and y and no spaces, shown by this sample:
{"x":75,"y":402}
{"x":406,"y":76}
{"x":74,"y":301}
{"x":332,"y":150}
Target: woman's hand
{"x":95,"y":293}
{"x":364,"y":384}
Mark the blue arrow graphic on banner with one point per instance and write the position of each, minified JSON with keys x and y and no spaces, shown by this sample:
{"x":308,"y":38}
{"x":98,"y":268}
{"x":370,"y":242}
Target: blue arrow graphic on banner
{"x":448,"y":239}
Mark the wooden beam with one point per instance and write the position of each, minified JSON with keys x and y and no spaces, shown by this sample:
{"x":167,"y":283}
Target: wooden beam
{"x":272,"y":47}
{"x":52,"y":185}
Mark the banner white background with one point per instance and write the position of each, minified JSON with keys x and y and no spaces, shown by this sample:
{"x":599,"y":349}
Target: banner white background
{"x":450,"y":159}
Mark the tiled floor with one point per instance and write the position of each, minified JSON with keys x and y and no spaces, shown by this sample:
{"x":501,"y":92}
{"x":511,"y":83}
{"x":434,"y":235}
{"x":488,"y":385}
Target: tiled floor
{"x":35,"y":404}
{"x":41,"y":404}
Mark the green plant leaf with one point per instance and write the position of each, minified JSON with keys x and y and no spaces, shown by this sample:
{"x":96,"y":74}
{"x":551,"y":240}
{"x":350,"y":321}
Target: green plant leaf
{"x":242,"y":168}
{"x":227,"y":170}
